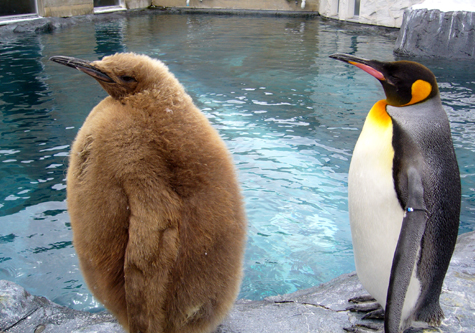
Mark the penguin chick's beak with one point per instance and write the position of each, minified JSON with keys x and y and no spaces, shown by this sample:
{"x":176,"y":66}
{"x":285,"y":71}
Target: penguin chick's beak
{"x":83,"y":66}
{"x":372,"y":67}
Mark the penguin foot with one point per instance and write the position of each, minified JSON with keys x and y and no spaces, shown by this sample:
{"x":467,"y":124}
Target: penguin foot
{"x":364,"y":304}
{"x":368,"y":305}
{"x":431,"y":314}
{"x":418,"y":330}
{"x":364,"y":298}
{"x":368,"y":327}
{"x":375,"y":314}
{"x":371,"y":327}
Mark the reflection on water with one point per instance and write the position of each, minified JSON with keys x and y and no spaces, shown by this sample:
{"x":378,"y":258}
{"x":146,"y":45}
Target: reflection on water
{"x":109,"y":38}
{"x":25,"y":130}
{"x":288,"y":113}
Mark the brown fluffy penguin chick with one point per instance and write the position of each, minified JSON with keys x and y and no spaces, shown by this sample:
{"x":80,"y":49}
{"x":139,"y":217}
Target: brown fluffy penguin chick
{"x":155,"y":207}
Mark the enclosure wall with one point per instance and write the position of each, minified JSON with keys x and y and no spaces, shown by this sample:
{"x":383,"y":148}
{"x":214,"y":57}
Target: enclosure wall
{"x":281,"y":5}
{"x":387,"y":13}
{"x":65,"y":8}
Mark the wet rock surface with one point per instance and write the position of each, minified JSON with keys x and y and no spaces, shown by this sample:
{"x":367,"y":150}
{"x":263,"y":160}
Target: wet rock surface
{"x":21,"y":312}
{"x":434,"y":33}
{"x":319,"y":309}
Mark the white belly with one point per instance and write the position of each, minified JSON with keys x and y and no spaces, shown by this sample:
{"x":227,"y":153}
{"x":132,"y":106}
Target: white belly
{"x":376,"y":215}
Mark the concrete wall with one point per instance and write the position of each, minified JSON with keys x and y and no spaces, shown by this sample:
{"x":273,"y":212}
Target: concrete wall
{"x":387,"y":13}
{"x":136,"y":4}
{"x":65,"y":8}
{"x":284,"y":5}
{"x":377,"y":12}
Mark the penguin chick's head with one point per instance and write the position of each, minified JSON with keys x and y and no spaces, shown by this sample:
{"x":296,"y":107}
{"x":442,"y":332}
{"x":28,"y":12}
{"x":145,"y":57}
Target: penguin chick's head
{"x":404,"y":82}
{"x":120,"y":74}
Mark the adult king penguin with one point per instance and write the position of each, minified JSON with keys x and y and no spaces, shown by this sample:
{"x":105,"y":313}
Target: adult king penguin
{"x":404,"y":194}
{"x":156,"y":210}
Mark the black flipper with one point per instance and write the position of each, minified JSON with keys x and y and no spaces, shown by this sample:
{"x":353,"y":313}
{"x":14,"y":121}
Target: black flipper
{"x":405,"y":256}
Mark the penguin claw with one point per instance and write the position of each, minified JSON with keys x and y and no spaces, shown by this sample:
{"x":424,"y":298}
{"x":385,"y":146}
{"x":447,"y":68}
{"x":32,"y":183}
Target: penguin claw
{"x":368,"y":305}
{"x":365,"y":303}
{"x":372,"y":309}
{"x":375,"y":314}
{"x":364,"y":298}
{"x":368,"y":327}
{"x":365,"y":307}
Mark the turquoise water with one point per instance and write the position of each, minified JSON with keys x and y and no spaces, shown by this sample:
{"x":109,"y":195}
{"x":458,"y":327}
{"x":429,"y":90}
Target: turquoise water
{"x":289,"y":115}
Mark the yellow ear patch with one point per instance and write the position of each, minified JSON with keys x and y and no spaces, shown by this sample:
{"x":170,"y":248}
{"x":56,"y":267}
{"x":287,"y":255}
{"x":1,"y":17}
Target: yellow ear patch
{"x":420,"y":90}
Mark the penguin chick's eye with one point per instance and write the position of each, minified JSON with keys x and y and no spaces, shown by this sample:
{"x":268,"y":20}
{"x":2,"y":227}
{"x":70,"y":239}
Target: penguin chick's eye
{"x":128,"y":79}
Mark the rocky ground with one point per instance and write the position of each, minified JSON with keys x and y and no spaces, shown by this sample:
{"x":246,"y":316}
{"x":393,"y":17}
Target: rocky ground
{"x":319,"y":309}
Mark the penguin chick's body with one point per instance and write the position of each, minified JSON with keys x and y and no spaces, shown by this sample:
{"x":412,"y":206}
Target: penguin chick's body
{"x":156,"y":210}
{"x":404,"y":194}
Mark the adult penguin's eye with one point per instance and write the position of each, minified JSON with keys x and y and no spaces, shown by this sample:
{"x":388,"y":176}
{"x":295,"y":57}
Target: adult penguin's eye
{"x":128,"y":79}
{"x":394,"y":80}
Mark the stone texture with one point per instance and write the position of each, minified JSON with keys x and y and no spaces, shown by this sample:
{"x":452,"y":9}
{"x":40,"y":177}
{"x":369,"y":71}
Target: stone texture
{"x":281,"y":5}
{"x":64,"y":8}
{"x":136,"y":4}
{"x":21,"y":312}
{"x":433,"y":33}
{"x":321,"y":309}
{"x":388,"y":13}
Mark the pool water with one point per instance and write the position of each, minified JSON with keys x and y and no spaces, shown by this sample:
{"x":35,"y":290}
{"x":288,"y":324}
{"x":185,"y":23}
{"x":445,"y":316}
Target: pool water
{"x":289,"y":115}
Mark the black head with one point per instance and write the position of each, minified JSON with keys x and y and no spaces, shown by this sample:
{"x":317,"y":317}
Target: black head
{"x":404,"y":82}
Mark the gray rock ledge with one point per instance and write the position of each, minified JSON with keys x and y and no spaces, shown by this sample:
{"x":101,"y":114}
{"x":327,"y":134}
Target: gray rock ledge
{"x":437,"y":34}
{"x":319,"y":309}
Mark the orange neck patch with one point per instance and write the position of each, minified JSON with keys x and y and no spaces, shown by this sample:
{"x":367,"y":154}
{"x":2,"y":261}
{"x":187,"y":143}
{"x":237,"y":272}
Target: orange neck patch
{"x":378,"y":115}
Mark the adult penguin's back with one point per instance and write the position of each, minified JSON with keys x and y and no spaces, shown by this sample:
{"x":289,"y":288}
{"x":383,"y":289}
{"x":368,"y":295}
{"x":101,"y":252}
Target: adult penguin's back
{"x":404,"y":194}
{"x":155,"y":207}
